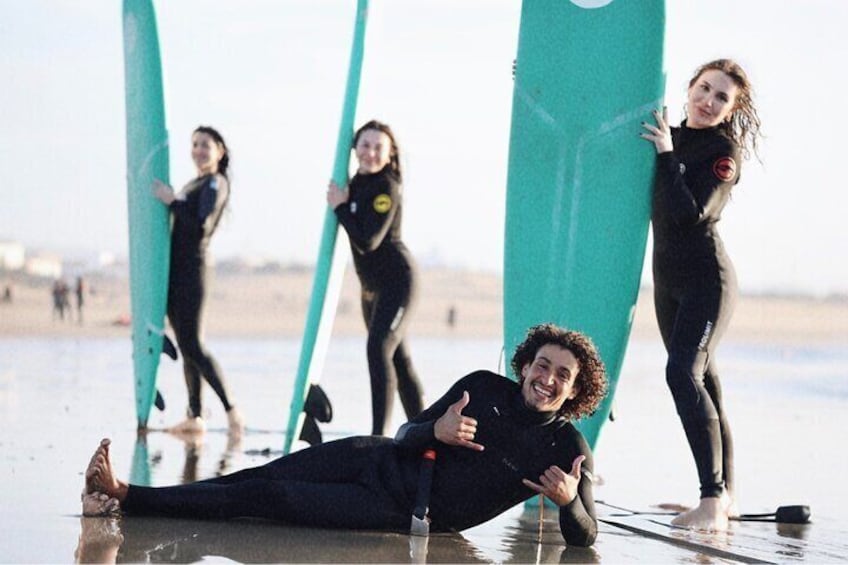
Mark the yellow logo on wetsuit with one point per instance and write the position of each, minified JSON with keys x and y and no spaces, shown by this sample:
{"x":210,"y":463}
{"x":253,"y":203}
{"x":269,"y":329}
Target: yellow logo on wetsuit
{"x":382,"y":203}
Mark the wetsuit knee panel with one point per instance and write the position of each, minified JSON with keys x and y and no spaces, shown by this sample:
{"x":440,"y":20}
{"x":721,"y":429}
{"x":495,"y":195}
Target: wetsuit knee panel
{"x":383,"y":344}
{"x":685,"y":378}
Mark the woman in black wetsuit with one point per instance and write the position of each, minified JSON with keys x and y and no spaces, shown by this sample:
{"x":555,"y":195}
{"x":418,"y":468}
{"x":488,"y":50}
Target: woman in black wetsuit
{"x":370,"y":212}
{"x":694,"y":281}
{"x":196,"y":211}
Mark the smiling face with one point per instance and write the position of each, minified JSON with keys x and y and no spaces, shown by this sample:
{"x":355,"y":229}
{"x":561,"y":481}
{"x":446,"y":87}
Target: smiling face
{"x":550,"y":379}
{"x":206,"y":153}
{"x":711,"y":99}
{"x":373,"y":151}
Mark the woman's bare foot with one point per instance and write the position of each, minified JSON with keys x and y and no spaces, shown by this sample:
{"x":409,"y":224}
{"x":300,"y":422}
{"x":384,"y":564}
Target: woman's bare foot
{"x":728,"y":501}
{"x":191,"y":425}
{"x":100,"y":477}
{"x":235,"y":421}
{"x":709,"y":516}
{"x":100,"y":504}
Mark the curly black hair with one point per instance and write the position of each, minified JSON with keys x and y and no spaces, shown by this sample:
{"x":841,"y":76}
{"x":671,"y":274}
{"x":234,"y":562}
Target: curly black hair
{"x":591,"y":379}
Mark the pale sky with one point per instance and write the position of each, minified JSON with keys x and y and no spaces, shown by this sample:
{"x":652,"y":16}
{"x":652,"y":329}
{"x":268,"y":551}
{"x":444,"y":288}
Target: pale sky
{"x":270,"y":76}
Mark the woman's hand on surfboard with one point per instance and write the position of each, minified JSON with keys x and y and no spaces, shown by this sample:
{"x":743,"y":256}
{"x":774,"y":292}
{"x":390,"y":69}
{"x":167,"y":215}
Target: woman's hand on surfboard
{"x":659,"y":135}
{"x":556,"y":484}
{"x":336,"y":196}
{"x":163,"y":192}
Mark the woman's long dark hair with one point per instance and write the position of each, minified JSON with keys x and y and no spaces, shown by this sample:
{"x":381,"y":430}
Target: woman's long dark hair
{"x":394,"y":152}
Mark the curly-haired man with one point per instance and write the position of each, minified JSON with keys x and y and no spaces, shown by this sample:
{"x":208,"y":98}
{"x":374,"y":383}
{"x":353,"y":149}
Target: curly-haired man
{"x":497,"y":443}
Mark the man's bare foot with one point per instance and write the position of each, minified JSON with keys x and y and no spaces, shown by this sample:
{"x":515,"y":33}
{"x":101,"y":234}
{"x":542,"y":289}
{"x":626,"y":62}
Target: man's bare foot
{"x":100,"y":477}
{"x":100,"y":504}
{"x":99,"y":541}
{"x":709,"y":516}
{"x":191,"y":425}
{"x":91,"y":484}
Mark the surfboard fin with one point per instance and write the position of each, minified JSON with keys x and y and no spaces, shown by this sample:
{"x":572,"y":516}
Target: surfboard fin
{"x":160,"y":401}
{"x":317,"y":409}
{"x":168,"y":347}
{"x":310,"y":433}
{"x":318,"y":405}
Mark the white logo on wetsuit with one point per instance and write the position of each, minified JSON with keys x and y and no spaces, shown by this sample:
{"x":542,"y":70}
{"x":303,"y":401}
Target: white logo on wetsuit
{"x":509,"y":464}
{"x":353,"y":207}
{"x":682,"y":168}
{"x":708,"y":329}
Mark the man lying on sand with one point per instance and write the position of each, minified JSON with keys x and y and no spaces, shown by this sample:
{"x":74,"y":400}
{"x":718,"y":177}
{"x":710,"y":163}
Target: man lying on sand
{"x":497,"y":443}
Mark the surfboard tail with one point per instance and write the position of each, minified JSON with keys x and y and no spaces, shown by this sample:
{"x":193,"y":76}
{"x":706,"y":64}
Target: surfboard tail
{"x":149,"y":228}
{"x":329,"y":271}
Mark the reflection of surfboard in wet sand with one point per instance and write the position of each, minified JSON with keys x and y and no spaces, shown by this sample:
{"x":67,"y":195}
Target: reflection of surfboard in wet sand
{"x":588,"y":72}
{"x":308,"y":402}
{"x":147,"y":158}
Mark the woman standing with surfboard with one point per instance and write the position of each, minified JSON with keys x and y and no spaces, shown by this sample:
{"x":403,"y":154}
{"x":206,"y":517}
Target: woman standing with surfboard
{"x":196,"y":211}
{"x":370,"y":212}
{"x":694,"y":281}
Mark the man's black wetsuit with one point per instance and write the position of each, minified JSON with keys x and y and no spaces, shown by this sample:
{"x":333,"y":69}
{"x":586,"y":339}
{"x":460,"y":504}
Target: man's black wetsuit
{"x":372,"y":219}
{"x":196,"y":214}
{"x":370,"y":482}
{"x":695,"y":289}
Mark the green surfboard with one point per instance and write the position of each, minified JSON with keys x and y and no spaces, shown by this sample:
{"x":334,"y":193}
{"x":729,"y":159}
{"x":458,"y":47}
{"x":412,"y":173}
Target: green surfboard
{"x":329,"y":269}
{"x":588,"y":72}
{"x":147,"y":158}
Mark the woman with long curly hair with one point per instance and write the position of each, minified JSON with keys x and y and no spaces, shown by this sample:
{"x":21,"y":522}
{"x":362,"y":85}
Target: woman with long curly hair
{"x":695,"y":289}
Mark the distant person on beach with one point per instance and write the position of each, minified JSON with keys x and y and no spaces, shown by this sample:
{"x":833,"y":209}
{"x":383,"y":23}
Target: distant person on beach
{"x":497,"y":443}
{"x":698,"y":164}
{"x":452,"y":317}
{"x":196,"y":211}
{"x":79,"y":290}
{"x":370,"y":212}
{"x":60,"y":299}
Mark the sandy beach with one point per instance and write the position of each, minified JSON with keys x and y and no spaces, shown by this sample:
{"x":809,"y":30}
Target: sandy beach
{"x":260,"y":304}
{"x":64,"y":385}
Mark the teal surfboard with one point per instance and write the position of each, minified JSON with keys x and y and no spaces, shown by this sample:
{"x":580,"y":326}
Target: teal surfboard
{"x":588,"y":72}
{"x":147,"y":158}
{"x":329,"y":269}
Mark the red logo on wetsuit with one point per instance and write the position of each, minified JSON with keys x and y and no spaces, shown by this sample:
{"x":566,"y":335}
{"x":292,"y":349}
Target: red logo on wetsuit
{"x":724,"y":168}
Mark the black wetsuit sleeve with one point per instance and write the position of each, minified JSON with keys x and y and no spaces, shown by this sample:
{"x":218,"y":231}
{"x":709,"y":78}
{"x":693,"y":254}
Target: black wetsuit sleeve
{"x":419,"y":432}
{"x":689,"y":207}
{"x":369,"y":227}
{"x":577,"y":519}
{"x":211,"y":201}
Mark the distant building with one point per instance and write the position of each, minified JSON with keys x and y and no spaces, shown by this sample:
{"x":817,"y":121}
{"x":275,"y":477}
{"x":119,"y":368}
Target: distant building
{"x":12,"y":256}
{"x":44,"y":265}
